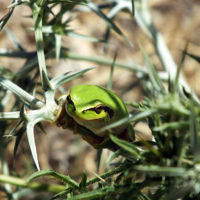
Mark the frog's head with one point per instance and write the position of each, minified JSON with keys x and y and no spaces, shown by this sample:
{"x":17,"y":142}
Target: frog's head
{"x":94,"y":107}
{"x":90,"y":109}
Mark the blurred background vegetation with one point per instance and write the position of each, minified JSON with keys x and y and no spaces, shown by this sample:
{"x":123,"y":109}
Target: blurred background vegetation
{"x":89,"y":39}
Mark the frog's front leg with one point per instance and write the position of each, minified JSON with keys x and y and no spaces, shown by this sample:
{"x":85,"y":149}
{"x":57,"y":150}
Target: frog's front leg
{"x":66,"y":122}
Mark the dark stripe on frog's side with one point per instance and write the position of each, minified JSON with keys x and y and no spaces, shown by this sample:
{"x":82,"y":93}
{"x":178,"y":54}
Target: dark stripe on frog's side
{"x":99,"y":108}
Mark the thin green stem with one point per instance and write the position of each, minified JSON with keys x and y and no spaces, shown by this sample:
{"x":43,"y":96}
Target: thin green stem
{"x":38,"y":16}
{"x":108,"y":174}
{"x":34,"y":185}
{"x":100,"y":60}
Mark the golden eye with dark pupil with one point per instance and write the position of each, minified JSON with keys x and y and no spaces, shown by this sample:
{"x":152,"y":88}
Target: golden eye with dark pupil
{"x":69,"y":101}
{"x":100,"y":108}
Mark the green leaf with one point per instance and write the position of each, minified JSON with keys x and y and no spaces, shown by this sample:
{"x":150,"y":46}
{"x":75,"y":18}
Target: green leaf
{"x":163,"y":171}
{"x":14,"y":129}
{"x":96,"y":10}
{"x":98,"y":193}
{"x":131,"y":132}
{"x":15,"y":40}
{"x":22,"y":94}
{"x":64,"y":78}
{"x":130,"y":118}
{"x":124,"y":166}
{"x":70,"y":3}
{"x":6,"y":17}
{"x":116,"y":154}
{"x":58,"y":44}
{"x":16,"y":54}
{"x":29,"y":66}
{"x":9,"y":115}
{"x":127,"y":146}
{"x":84,"y":37}
{"x":31,"y":141}
{"x":109,"y":86}
{"x":153,"y":75}
{"x":172,"y":126}
{"x":61,"y":194}
{"x":83,"y":183}
{"x":58,"y":176}
{"x":180,"y":66}
{"x":194,"y":138}
{"x":99,"y":154}
{"x":133,"y":7}
{"x":42,"y":128}
{"x":195,"y":57}
{"x":38,"y":22}
{"x":19,"y":135}
{"x":102,"y":60}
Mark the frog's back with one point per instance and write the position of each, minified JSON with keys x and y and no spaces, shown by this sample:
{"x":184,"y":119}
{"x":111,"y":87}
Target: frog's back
{"x":93,"y":95}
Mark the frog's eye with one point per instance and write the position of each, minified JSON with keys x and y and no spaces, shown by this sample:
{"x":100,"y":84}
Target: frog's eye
{"x":70,"y":102}
{"x":100,"y":108}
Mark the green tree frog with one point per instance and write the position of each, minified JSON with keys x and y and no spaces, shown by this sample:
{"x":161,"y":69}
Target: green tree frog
{"x":87,"y":109}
